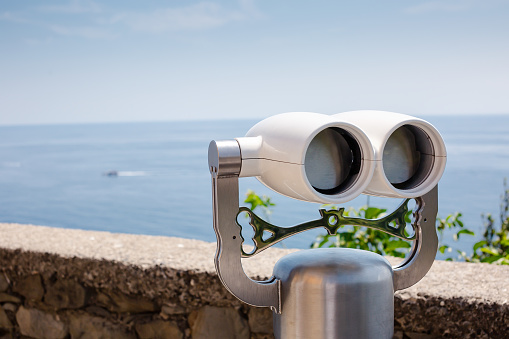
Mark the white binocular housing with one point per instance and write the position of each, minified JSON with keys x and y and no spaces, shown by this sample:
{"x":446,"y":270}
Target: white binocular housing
{"x":334,"y":158}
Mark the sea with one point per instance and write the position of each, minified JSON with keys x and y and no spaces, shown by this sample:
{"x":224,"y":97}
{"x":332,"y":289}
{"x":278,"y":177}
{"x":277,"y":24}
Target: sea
{"x":159,"y":183}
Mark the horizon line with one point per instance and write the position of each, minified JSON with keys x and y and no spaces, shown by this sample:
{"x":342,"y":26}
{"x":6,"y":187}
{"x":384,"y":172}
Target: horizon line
{"x":56,"y":123}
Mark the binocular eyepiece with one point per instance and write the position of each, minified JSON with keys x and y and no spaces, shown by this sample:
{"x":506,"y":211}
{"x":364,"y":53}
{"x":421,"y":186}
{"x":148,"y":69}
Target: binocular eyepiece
{"x":333,"y":159}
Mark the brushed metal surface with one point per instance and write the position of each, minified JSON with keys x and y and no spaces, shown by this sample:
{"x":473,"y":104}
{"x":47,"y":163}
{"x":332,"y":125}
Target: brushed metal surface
{"x":224,"y":165}
{"x":335,"y":293}
{"x":224,"y":158}
{"x":425,"y":245}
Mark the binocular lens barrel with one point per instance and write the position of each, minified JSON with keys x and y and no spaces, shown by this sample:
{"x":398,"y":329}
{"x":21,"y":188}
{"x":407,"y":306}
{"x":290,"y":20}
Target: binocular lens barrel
{"x":407,"y":157}
{"x":332,"y":161}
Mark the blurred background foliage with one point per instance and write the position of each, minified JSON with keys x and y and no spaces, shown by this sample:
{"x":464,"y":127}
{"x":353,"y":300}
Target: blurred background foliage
{"x":493,"y":248}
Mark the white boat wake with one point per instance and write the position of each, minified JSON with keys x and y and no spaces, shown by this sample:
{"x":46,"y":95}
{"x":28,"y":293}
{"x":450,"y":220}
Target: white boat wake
{"x":126,"y":173}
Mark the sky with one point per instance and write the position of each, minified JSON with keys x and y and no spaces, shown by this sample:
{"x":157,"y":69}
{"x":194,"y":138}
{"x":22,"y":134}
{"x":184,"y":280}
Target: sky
{"x":86,"y":61}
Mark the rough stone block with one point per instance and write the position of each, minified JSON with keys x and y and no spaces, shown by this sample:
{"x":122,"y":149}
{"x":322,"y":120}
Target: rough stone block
{"x":40,"y":325}
{"x":7,"y":298}
{"x":10,"y":307}
{"x":65,"y":294}
{"x":413,"y":335}
{"x":262,"y":336}
{"x":5,"y":323}
{"x":260,"y":320}
{"x":218,"y":323}
{"x":30,"y":287}
{"x":121,"y":303}
{"x":158,"y":329}
{"x":171,"y":309}
{"x":98,"y":311}
{"x":84,"y":326}
{"x":4,"y":282}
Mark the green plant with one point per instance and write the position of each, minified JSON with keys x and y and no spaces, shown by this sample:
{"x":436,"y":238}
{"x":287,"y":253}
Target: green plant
{"x":254,"y":201}
{"x":383,"y":243}
{"x":365,"y":238}
{"x":452,"y":221}
{"x":494,"y":248}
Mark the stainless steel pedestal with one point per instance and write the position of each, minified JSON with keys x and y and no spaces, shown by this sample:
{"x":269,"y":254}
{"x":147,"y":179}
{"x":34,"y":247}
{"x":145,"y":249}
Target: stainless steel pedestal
{"x":335,"y":293}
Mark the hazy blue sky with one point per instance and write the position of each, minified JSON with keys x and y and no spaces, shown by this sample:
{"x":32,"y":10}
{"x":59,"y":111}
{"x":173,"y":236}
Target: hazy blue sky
{"x":123,"y":60}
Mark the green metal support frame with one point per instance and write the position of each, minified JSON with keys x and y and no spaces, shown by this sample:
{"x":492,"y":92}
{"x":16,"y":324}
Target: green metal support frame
{"x":331,"y":220}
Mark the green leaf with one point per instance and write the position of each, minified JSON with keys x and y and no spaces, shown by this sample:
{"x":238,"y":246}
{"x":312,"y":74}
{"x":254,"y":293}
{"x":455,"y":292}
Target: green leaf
{"x":490,"y":250}
{"x":373,"y":212}
{"x":255,"y":200}
{"x":491,"y":259}
{"x":395,"y":244}
{"x":465,"y":231}
{"x":443,"y":248}
{"x":479,"y":244}
{"x":320,"y":241}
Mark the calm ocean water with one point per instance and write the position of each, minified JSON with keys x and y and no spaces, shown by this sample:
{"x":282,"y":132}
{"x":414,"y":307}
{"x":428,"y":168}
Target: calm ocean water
{"x":54,"y":175}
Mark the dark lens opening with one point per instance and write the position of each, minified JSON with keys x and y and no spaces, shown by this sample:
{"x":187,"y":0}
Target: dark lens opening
{"x":333,"y":161}
{"x":408,"y":157}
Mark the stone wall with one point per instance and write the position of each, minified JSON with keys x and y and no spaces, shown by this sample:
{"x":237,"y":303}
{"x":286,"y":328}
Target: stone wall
{"x":47,"y":296}
{"x":131,"y":286}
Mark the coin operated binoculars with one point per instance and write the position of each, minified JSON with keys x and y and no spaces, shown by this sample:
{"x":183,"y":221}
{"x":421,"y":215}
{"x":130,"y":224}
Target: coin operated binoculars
{"x":334,"y":292}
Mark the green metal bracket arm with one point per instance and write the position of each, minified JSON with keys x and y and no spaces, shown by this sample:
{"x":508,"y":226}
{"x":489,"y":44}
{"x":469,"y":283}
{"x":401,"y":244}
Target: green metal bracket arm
{"x":331,"y":220}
